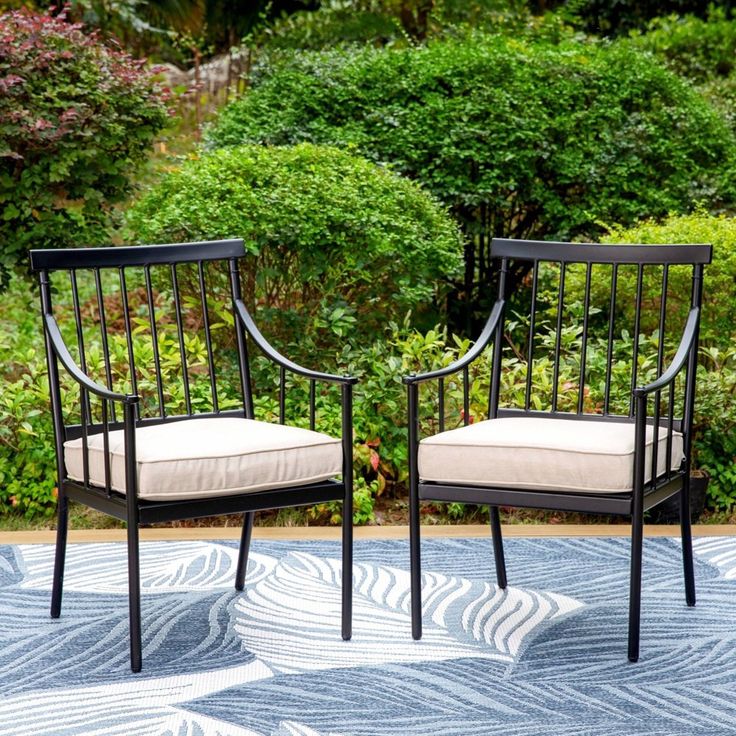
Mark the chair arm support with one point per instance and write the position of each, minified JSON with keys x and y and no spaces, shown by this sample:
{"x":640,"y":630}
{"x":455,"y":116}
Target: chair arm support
{"x":481,"y":343}
{"x":63,"y":354}
{"x":270,"y":352}
{"x":678,"y":362}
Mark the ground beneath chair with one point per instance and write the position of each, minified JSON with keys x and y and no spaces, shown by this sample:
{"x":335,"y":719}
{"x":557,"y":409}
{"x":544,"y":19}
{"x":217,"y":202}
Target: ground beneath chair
{"x":545,"y":657}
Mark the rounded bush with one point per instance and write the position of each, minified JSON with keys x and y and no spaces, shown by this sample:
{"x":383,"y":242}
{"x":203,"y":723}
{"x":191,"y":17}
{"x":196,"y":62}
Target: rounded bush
{"x":339,"y":244}
{"x":76,"y":116}
{"x":718,"y":324}
{"x":520,"y":139}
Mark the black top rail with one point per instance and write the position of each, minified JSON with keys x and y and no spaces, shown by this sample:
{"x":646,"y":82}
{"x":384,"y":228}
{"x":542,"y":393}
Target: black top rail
{"x":136,"y":255}
{"x":542,"y":250}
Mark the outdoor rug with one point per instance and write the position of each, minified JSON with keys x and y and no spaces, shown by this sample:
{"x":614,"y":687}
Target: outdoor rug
{"x":547,"y":657}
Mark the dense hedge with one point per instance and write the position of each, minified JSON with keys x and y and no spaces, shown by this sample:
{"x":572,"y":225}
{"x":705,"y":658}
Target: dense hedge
{"x":76,"y":118}
{"x":552,"y":139}
{"x":340,"y":245}
{"x":518,"y":139}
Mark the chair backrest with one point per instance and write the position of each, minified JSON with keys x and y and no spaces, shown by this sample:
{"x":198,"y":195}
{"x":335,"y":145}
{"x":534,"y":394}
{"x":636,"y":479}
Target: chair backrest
{"x":148,"y":320}
{"x":591,"y":322}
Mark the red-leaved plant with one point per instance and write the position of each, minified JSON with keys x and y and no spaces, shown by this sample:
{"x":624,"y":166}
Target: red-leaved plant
{"x":76,"y":117}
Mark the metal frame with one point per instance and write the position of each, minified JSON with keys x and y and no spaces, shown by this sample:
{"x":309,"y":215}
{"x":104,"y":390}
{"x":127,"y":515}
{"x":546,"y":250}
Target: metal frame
{"x":642,"y":496}
{"x":128,"y":507}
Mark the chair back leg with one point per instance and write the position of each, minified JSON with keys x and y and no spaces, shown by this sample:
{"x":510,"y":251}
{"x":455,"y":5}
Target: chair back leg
{"x":62,"y":524}
{"x":687,"y":542}
{"x":245,"y":538}
{"x":498,"y":555}
{"x":134,"y":598}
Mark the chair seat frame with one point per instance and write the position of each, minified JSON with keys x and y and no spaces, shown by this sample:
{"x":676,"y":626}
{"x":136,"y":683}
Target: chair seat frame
{"x":643,"y":495}
{"x":129,"y":507}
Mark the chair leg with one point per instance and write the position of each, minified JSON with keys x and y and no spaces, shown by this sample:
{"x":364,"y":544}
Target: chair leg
{"x":134,"y":598}
{"x":62,"y":524}
{"x":347,"y":562}
{"x":243,"y":551}
{"x":687,"y":542}
{"x":414,"y":521}
{"x":498,"y":547}
{"x":637,"y":535}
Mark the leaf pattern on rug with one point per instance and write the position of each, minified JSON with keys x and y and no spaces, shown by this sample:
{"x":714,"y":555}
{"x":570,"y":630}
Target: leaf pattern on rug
{"x":291,"y":617}
{"x":167,"y":567}
{"x":718,"y":551}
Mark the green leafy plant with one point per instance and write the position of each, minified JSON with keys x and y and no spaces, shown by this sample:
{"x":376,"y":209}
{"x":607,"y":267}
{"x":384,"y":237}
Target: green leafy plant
{"x":76,"y":119}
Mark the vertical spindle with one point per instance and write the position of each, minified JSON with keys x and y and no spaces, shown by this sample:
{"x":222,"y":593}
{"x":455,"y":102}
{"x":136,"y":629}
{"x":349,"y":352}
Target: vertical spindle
{"x":154,"y":343}
{"x":609,"y":348}
{"x":532,"y":325}
{"x":466,"y":396}
{"x":106,"y":446}
{"x":208,"y":337}
{"x":558,"y":336}
{"x":584,"y":338}
{"x":180,"y":338}
{"x":128,"y":337}
{"x":103,"y":336}
{"x":84,"y":396}
{"x":637,"y":327}
{"x":282,"y":395}
{"x":441,"y":401}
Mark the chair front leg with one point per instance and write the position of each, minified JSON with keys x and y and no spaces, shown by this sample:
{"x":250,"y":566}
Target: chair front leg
{"x":347,"y":512}
{"x":62,"y":524}
{"x":637,"y":529}
{"x":347,"y":562}
{"x":498,"y":555}
{"x":134,"y":597}
{"x":134,"y":573}
{"x":244,"y":549}
{"x":687,"y":541}
{"x":414,"y":525}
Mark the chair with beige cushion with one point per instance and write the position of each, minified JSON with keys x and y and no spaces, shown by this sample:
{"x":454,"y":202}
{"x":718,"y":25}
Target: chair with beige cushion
{"x":172,"y":439}
{"x":589,"y":394}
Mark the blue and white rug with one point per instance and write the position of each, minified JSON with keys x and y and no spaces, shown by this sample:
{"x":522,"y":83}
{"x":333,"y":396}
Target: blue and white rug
{"x":545,"y":658}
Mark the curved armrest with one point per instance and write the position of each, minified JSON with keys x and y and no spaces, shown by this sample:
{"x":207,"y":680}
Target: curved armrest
{"x":276,"y":357}
{"x":683,"y":351}
{"x":470,"y":356}
{"x":63,"y":354}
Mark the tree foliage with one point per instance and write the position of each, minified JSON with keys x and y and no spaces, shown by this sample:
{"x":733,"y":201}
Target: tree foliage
{"x":76,"y":119}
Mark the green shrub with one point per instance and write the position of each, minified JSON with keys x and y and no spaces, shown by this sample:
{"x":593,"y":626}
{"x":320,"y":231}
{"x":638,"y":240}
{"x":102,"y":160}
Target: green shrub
{"x":699,"y":49}
{"x":76,"y":118}
{"x":702,"y":50}
{"x":719,"y":306}
{"x":519,"y":139}
{"x":339,"y":244}
{"x":715,"y":425}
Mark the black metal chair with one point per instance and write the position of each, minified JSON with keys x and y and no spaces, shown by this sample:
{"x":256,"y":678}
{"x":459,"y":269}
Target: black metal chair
{"x":144,"y":456}
{"x":540,"y":454}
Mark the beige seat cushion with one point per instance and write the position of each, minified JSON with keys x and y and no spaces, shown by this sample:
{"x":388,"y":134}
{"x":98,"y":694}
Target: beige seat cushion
{"x":542,"y":454}
{"x":197,"y":458}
